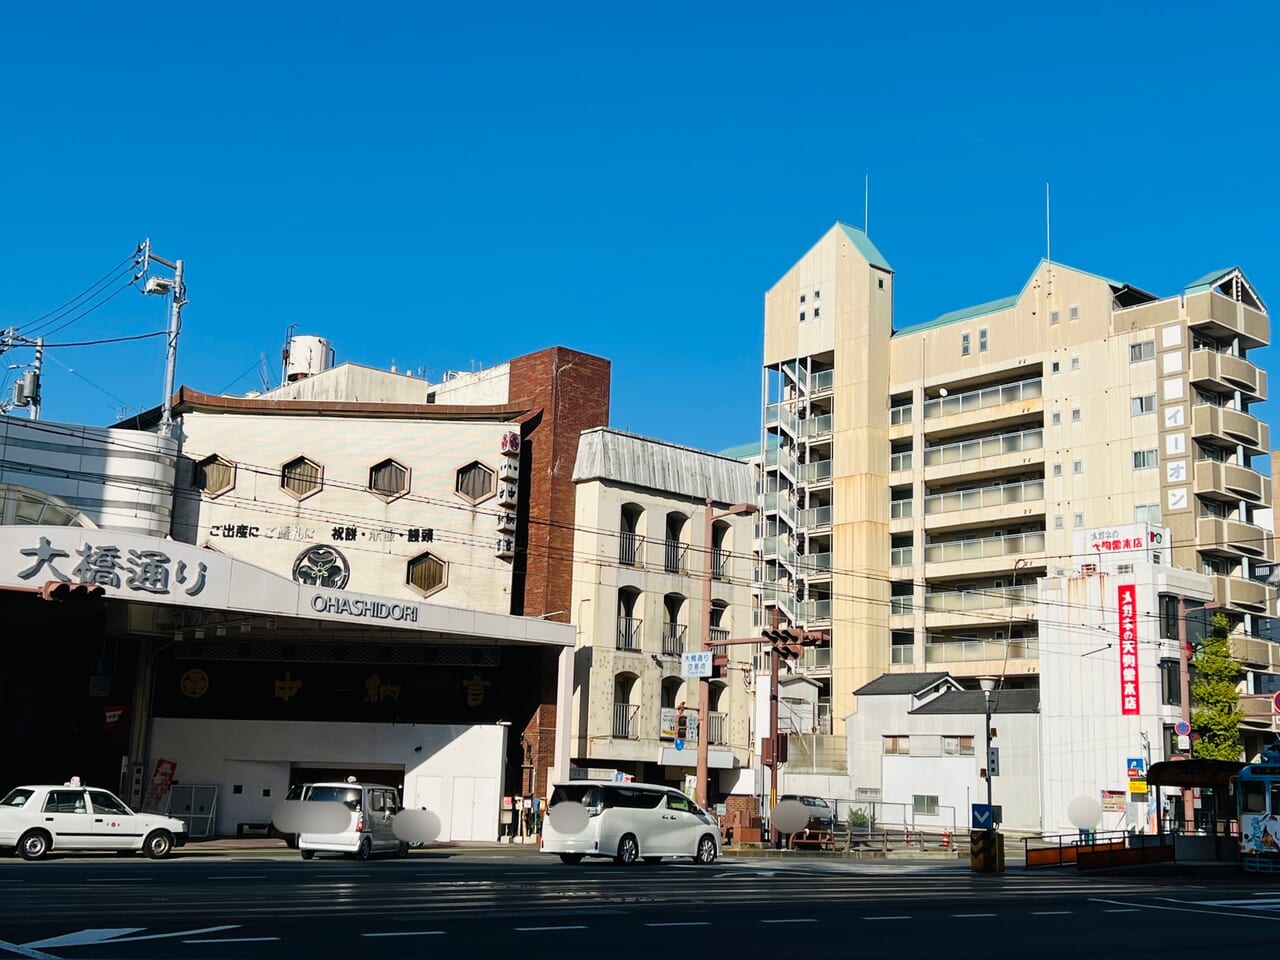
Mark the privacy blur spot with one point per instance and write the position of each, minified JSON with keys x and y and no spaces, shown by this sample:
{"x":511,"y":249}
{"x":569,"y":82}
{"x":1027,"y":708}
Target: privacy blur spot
{"x":790,"y":816}
{"x":415,"y":826}
{"x":311,"y":816}
{"x":568,"y":817}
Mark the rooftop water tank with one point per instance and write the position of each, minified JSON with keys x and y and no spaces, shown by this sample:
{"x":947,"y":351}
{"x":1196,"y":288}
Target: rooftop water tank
{"x":307,"y":356}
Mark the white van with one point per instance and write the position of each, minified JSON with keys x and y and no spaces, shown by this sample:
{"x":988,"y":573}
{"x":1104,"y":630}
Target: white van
{"x":630,"y":822}
{"x":373,"y":807}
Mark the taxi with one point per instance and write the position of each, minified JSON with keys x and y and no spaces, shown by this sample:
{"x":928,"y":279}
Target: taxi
{"x":37,"y":819}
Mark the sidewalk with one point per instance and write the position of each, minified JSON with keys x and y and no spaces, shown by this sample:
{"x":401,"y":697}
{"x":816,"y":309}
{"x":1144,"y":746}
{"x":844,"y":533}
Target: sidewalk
{"x":225,"y":845}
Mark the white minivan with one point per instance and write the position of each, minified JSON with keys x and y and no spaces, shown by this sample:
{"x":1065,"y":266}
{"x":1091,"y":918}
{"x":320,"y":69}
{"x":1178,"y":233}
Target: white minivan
{"x":372,"y":807}
{"x":630,"y":822}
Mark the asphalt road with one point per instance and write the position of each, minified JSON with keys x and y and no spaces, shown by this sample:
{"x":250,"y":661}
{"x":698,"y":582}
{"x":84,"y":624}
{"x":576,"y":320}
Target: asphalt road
{"x":444,"y":904}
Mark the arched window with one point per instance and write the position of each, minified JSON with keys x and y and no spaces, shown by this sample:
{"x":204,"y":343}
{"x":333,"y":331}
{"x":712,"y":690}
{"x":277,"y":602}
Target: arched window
{"x":675,"y":557}
{"x":717,"y":712}
{"x":630,"y":535}
{"x":629,"y":621}
{"x":626,"y":704}
{"x":720,"y":549}
{"x":719,"y":620}
{"x":674,"y":627}
{"x":26,"y":505}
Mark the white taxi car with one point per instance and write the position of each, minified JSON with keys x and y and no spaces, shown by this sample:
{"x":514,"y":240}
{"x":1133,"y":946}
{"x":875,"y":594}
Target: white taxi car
{"x":37,"y":819}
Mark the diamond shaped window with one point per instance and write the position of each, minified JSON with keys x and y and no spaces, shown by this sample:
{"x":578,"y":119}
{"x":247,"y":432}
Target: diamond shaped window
{"x":389,"y":479}
{"x":214,"y":476}
{"x":475,"y":482}
{"x":427,"y":574}
{"x":300,"y":478}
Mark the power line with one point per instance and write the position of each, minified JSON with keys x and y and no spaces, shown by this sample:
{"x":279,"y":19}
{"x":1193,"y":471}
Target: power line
{"x":95,"y":343}
{"x":53,"y":315}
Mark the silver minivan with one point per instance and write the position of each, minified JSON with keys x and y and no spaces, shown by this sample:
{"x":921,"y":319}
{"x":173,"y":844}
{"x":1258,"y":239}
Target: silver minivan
{"x":373,"y":807}
{"x":630,"y":822}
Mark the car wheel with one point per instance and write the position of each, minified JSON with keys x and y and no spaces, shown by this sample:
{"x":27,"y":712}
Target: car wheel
{"x":291,"y":841}
{"x":628,"y":851}
{"x":706,"y":850}
{"x":308,"y":854}
{"x":366,"y":849}
{"x":571,"y":857}
{"x":652,"y":859}
{"x":158,"y":844}
{"x":402,"y":850}
{"x":33,"y":845}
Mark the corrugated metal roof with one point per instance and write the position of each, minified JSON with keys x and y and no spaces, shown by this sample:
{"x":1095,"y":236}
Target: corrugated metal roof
{"x":1209,"y":280}
{"x":865,"y":247}
{"x":662,"y":467}
{"x":958,"y":702}
{"x":898,"y":684}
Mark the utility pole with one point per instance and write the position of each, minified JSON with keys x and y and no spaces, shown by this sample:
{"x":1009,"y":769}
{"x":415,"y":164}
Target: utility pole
{"x":35,"y":367}
{"x":160,"y":286}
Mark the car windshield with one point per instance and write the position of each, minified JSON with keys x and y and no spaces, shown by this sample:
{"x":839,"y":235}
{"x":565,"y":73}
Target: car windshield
{"x":575,"y":793}
{"x":16,"y":798}
{"x":295,"y":792}
{"x":348,"y":795}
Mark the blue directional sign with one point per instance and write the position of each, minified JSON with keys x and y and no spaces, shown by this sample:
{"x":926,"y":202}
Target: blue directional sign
{"x":981,"y":816}
{"x":679,"y":744}
{"x":1136,"y":768}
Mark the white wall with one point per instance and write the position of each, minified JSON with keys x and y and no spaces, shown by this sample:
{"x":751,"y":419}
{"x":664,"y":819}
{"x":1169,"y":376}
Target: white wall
{"x":457,"y":775}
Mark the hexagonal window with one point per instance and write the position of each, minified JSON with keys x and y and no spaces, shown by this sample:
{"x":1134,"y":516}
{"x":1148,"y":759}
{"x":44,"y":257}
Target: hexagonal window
{"x":389,"y":479}
{"x":427,"y":574}
{"x":300,"y":478}
{"x":475,"y":482}
{"x":214,"y":476}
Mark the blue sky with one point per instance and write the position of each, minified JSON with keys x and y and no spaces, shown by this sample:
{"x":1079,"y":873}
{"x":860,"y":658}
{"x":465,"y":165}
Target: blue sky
{"x":445,"y":186}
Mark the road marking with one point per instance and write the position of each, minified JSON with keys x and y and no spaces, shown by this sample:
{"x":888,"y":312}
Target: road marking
{"x":681,"y":923}
{"x":406,"y":933}
{"x":536,"y":929}
{"x":1130,"y":910}
{"x":887,"y":918}
{"x":114,"y":879}
{"x":25,"y":951}
{"x":240,"y":876}
{"x":792,"y":920}
{"x":961,"y":915}
{"x":1050,"y":913}
{"x":83,"y":937}
{"x":234,"y":940}
{"x":176,"y":933}
{"x":1156,"y":906}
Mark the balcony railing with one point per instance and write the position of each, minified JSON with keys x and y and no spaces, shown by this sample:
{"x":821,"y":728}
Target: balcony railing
{"x":984,"y":447}
{"x":900,"y":461}
{"x":628,"y":633}
{"x":967,"y":651}
{"x":817,"y":470}
{"x":900,"y":415}
{"x":815,"y":517}
{"x":812,"y":610}
{"x":986,"y":598}
{"x":902,"y":653}
{"x":777,"y":414}
{"x":815,"y":562}
{"x":1008,"y":545}
{"x":719,"y":563}
{"x":720,"y":634}
{"x":673,"y":639}
{"x":629,"y":548}
{"x":822,"y":382}
{"x":900,"y":509}
{"x":816,"y":426}
{"x":984,"y":398}
{"x":717,"y":728}
{"x":995,"y":496}
{"x":624,"y":720}
{"x":899,"y":606}
{"x":816,"y":658}
{"x":901,"y":557}
{"x":675,"y":557}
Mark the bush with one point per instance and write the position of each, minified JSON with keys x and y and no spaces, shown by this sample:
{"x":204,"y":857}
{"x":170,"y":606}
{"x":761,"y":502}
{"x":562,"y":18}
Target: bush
{"x":858,"y":818}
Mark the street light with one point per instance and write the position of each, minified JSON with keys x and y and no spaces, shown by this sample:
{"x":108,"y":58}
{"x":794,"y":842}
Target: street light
{"x":704,"y":685}
{"x":988,"y":685}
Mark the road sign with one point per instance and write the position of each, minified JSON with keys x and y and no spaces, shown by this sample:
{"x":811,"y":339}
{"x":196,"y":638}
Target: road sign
{"x":1275,"y":702}
{"x":993,"y":762}
{"x":697,"y":664}
{"x":679,"y":744}
{"x":1182,"y":728}
{"x":981,"y":816}
{"x":1137,"y":786}
{"x":1137,"y":768}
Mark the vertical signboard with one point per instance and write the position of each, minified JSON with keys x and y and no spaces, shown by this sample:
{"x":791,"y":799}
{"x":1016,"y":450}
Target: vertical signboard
{"x":1130,"y":699}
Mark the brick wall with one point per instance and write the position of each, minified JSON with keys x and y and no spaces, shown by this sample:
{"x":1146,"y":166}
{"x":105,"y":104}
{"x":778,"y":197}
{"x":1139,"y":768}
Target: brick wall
{"x":567,"y":392}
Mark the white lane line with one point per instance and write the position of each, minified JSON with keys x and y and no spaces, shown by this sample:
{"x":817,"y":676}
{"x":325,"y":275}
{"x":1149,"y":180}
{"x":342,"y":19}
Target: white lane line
{"x":792,"y":920}
{"x":1050,"y":913}
{"x":82,"y":937}
{"x":680,"y":923}
{"x":407,"y":933}
{"x":177,"y":933}
{"x":1130,"y":910}
{"x":962,"y":915}
{"x":536,"y":929}
{"x":22,"y":951}
{"x":240,"y":876}
{"x":234,"y":940}
{"x":887,"y":918}
{"x":1156,"y":906}
{"x":115,"y":879}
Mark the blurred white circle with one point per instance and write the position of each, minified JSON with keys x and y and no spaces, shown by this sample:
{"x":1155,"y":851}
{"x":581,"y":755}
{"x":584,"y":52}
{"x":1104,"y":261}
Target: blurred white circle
{"x":1084,"y":812}
{"x":790,"y":816}
{"x":307,"y":816}
{"x":416,"y":826}
{"x":568,"y":817}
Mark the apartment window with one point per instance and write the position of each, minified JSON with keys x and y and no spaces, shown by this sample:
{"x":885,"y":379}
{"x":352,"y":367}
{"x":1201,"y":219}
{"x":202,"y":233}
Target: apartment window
{"x":817,"y":294}
{"x":1057,"y":469}
{"x":881,"y":283}
{"x":802,"y":316}
{"x":924,"y":805}
{"x":1055,"y":367}
{"x":1074,"y":313}
{"x":1171,"y":683}
{"x":474,"y":482}
{"x":1077,"y":467}
{"x":957,"y":746}
{"x":427,"y":574}
{"x":301,"y":477}
{"x":1075,"y":363}
{"x":214,"y":475}
{"x":1079,"y":519}
{"x":1146,"y":350}
{"x":964,"y":344}
{"x":897,"y":746}
{"x":1054,"y":317}
{"x":1056,"y":419}
{"x":802,"y":298}
{"x":1123,"y":568}
{"x":1075,"y":414}
{"x":1146,"y":459}
{"x":1057,"y":522}
{"x":1140,"y":405}
{"x":982,"y":340}
{"x":388,"y":479}
{"x":816,"y":312}
{"x":1147,"y":513}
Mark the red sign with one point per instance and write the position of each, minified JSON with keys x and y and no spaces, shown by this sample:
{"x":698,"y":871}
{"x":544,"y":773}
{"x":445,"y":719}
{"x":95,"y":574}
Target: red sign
{"x":161,"y":781}
{"x":1130,"y":702}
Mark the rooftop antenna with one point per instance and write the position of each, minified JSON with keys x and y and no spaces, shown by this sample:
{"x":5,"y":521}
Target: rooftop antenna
{"x":1047,"y":257}
{"x":866,"y":207}
{"x":264,"y":373}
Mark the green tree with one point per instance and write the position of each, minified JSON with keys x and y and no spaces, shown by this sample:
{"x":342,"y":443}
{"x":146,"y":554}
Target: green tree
{"x":1215,"y":704}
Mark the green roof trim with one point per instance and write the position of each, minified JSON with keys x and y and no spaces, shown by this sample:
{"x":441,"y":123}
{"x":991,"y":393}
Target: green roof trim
{"x":1209,"y":280}
{"x":745,"y":451}
{"x":955,"y":316}
{"x":865,"y":247}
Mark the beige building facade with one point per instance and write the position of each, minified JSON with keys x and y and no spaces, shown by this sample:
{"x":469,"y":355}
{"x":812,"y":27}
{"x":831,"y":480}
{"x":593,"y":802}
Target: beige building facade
{"x":919,"y":480}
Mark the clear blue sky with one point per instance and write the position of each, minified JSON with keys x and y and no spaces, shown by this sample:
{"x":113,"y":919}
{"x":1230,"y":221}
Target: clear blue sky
{"x":449,"y":185}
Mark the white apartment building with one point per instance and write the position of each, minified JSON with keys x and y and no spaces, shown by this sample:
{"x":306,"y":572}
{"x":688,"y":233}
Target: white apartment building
{"x":640,"y":600}
{"x":919,"y":479}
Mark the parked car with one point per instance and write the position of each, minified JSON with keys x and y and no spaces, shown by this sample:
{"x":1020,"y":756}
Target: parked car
{"x":630,"y":822}
{"x":297,"y":792}
{"x":37,"y":819}
{"x":821,"y":820}
{"x":372,"y":808}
